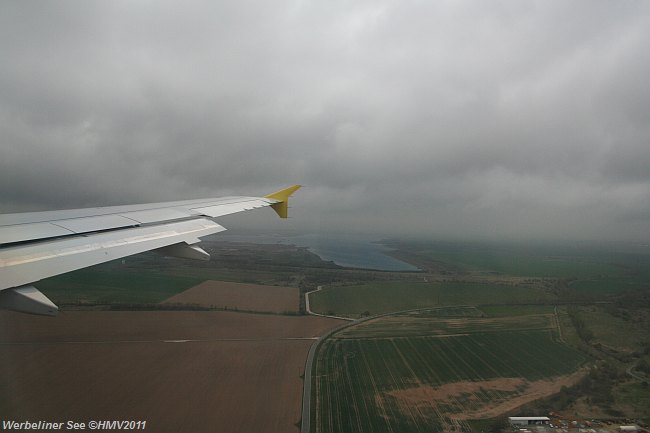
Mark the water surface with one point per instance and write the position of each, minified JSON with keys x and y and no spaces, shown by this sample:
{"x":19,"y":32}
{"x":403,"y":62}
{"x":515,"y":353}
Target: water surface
{"x":351,"y":251}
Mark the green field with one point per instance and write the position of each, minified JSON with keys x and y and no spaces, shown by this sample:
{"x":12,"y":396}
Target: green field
{"x":458,"y":311}
{"x":356,"y":379}
{"x":383,"y":297}
{"x":604,"y":286}
{"x":593,"y":270}
{"x":625,"y":332}
{"x":150,"y":278}
{"x":636,"y":395}
{"x":412,"y":325}
{"x":515,"y":310}
{"x":114,"y":286}
{"x":525,"y":265}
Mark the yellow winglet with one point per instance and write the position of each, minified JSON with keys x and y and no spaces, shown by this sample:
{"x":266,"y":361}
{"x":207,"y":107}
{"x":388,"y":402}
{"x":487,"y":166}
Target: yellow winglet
{"x":282,"y":207}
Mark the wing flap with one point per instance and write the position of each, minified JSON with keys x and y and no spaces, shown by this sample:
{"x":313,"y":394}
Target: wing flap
{"x":25,"y":264}
{"x":156,"y":215}
{"x":227,"y":209}
{"x":27,"y":232}
{"x":39,"y":245}
{"x":83,"y":221}
{"x":96,"y":223}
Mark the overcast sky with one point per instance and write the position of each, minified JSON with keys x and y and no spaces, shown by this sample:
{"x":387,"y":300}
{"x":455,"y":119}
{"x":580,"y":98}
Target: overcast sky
{"x":483,"y":119}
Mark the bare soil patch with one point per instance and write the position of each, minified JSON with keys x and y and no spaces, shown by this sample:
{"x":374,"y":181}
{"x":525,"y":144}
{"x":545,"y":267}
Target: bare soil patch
{"x":427,"y":393}
{"x":234,"y":373}
{"x":247,"y":297}
{"x":518,"y":392}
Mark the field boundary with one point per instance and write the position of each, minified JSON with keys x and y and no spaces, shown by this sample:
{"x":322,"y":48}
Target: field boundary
{"x":308,"y":309}
{"x":453,"y":351}
{"x":305,"y":424}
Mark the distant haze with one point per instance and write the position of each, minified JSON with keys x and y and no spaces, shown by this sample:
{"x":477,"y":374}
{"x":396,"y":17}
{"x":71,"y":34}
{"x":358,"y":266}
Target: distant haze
{"x":455,"y":119}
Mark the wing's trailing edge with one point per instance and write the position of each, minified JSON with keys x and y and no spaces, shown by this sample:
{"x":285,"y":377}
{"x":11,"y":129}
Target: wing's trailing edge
{"x":38,"y":245}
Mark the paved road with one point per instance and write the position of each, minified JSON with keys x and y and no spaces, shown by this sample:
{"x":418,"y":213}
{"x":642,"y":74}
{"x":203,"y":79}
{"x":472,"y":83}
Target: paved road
{"x":634,"y":374}
{"x":305,"y":426}
{"x":306,"y":388}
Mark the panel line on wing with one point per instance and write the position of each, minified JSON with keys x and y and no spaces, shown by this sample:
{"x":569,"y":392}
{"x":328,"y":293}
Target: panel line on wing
{"x":25,"y":264}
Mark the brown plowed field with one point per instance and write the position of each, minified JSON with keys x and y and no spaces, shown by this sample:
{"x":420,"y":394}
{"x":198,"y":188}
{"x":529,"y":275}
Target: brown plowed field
{"x":249,"y":297}
{"x":234,"y":373}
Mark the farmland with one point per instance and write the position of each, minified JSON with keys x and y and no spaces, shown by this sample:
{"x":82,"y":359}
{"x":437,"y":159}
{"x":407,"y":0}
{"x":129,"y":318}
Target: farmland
{"x":382,"y":297}
{"x":592,"y":270}
{"x":470,"y":337}
{"x":413,"y":324}
{"x":492,"y":324}
{"x":149,"y":278}
{"x":523,"y":260}
{"x":105,"y":284}
{"x":203,"y":371}
{"x":437,"y":373}
{"x":209,"y":371}
{"x":240,"y":296}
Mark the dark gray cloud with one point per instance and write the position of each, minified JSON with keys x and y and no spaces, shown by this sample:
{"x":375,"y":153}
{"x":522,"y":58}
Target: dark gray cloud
{"x":457,"y":119}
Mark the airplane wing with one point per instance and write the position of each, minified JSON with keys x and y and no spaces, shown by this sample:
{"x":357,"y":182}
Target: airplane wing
{"x":39,"y":245}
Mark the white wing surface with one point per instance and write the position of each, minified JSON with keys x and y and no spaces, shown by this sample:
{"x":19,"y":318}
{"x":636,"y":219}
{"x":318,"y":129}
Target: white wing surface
{"x":39,"y":245}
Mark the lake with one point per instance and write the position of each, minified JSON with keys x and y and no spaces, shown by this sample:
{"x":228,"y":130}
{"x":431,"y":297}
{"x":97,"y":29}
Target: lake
{"x":351,"y":251}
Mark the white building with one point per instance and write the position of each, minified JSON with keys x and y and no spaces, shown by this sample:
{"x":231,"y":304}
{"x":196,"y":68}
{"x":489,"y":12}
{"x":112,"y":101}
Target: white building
{"x":529,"y":420}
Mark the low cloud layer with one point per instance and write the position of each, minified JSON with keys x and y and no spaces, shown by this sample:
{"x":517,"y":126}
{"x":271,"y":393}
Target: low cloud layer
{"x":484,"y":120}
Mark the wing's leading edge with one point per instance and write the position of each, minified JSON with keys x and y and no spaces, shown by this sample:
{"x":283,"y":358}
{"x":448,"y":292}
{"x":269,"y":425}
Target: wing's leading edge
{"x":39,"y":245}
